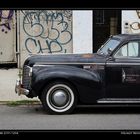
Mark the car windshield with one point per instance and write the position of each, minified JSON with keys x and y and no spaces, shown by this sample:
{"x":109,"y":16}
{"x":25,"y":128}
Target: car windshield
{"x":111,"y":44}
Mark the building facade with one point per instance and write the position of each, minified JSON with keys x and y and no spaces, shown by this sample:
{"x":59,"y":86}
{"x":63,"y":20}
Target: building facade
{"x":26,"y":32}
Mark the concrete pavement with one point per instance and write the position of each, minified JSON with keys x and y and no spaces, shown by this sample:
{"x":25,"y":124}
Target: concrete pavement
{"x":34,"y":118}
{"x":7,"y":85}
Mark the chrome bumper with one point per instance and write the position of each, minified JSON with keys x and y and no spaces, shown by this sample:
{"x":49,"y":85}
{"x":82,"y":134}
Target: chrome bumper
{"x":19,"y":90}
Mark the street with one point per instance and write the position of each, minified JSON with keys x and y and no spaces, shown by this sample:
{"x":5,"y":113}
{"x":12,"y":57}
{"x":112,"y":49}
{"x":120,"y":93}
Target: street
{"x":33,"y":117}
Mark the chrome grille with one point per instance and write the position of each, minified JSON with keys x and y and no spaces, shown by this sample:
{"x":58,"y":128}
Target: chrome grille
{"x":26,"y":78}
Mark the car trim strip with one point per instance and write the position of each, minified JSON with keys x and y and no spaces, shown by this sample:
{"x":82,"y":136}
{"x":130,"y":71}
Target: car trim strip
{"x":43,"y":64}
{"x":123,"y":64}
{"x":119,"y":100}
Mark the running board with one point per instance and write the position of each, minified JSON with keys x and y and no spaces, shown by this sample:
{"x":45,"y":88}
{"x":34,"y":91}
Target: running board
{"x":120,"y":100}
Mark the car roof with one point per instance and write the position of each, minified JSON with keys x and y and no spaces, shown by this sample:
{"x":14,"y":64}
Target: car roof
{"x":126,"y":36}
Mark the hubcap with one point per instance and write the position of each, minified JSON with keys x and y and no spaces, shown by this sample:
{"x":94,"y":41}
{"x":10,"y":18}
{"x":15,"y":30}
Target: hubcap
{"x":59,"y":98}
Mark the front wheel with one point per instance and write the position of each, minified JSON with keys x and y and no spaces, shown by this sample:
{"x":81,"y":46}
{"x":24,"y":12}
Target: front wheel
{"x":59,"y":98}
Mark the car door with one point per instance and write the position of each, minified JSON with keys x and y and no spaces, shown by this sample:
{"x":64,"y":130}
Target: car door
{"x":123,"y":72}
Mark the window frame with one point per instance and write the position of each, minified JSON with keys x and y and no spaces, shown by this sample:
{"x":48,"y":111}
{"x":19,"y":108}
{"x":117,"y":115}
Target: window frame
{"x":126,"y":43}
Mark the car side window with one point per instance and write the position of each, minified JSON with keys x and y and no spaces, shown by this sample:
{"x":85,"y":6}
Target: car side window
{"x":130,"y":49}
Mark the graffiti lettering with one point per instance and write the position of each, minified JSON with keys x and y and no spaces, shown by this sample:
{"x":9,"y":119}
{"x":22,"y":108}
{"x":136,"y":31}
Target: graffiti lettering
{"x":47,"y":31}
{"x":138,"y":13}
{"x":64,"y":13}
{"x":68,"y":14}
{"x":5,"y":20}
{"x":135,"y":25}
{"x":36,"y":45}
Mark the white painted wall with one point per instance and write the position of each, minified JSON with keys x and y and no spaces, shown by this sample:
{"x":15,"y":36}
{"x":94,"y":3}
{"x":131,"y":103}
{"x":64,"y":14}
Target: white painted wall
{"x":7,"y":36}
{"x":133,"y":21}
{"x":82,"y":31}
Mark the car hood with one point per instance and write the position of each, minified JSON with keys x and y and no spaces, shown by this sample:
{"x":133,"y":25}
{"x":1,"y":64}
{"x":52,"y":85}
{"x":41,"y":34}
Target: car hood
{"x":64,"y":59}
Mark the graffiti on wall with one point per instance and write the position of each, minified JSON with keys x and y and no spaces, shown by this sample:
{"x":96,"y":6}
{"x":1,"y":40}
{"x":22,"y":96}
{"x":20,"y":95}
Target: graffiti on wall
{"x":133,"y":26}
{"x":6,"y":17}
{"x":47,"y":31}
{"x":136,"y":25}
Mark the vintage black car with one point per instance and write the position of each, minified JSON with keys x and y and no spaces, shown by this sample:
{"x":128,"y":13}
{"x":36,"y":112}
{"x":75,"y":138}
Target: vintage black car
{"x":62,"y":81}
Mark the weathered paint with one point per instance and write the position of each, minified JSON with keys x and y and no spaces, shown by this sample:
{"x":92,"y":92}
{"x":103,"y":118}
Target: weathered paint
{"x":7,"y":36}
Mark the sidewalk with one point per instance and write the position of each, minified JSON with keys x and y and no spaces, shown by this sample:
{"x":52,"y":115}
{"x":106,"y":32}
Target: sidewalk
{"x":7,"y":86}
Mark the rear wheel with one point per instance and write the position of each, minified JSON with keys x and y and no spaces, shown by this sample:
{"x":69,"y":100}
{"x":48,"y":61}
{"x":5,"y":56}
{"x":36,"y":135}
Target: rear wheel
{"x":59,"y":98}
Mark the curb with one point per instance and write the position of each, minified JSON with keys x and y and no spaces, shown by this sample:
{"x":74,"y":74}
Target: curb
{"x":3,"y":102}
{"x":18,"y":102}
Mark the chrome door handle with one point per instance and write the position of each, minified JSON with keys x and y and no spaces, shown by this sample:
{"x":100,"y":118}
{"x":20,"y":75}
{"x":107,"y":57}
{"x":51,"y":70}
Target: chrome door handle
{"x":123,"y":75}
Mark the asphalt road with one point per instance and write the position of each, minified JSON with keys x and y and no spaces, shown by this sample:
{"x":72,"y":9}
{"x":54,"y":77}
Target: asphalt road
{"x":33,"y":117}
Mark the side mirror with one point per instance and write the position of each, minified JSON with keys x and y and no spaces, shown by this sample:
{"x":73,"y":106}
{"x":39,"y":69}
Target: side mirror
{"x":111,"y":58}
{"x":109,"y":50}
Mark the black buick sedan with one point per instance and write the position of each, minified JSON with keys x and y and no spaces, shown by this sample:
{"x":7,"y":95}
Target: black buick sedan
{"x":62,"y":81}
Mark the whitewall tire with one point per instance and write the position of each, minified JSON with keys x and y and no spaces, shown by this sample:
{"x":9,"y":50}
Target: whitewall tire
{"x":59,"y":98}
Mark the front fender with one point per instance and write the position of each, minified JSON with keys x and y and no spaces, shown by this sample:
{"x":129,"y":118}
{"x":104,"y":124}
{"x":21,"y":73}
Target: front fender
{"x":81,"y":78}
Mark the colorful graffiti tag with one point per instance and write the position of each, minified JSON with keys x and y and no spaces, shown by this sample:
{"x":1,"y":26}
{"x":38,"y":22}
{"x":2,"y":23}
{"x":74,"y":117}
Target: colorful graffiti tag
{"x":5,"y":20}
